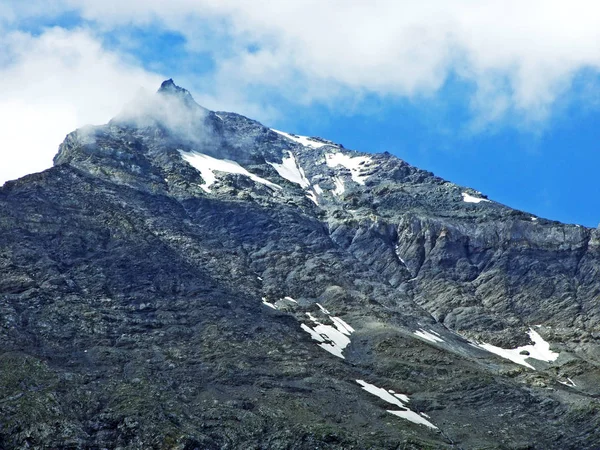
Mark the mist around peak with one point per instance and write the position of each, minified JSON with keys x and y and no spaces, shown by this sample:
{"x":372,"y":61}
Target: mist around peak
{"x":171,"y":109}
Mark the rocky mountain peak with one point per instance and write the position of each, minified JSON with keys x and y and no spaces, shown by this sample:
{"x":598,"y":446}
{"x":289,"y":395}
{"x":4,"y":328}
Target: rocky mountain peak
{"x":168,"y":87}
{"x":201,"y":280}
{"x":171,"y":107}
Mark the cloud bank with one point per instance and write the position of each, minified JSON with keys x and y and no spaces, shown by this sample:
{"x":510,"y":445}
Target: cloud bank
{"x":519,"y":56}
{"x":51,"y":84}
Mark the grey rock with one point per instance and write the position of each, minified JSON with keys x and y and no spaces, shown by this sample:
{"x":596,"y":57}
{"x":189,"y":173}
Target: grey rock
{"x":131,"y":311}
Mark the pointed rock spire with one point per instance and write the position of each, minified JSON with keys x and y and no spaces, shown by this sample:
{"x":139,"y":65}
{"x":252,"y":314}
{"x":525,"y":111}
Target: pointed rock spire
{"x":169,"y":87}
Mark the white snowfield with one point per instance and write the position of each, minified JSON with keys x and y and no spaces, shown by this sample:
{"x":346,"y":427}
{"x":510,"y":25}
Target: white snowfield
{"x":354,"y":164}
{"x":332,"y":339}
{"x":540,"y":350}
{"x":429,"y":336}
{"x":470,"y":199}
{"x":303,"y":140}
{"x":398,"y":400}
{"x":207,"y":166}
{"x":291,"y":171}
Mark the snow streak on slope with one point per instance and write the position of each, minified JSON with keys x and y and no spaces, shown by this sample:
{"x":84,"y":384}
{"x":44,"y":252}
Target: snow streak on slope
{"x":323,"y":310}
{"x":303,"y":140}
{"x":339,"y":186}
{"x":278,"y":304}
{"x":398,"y":400}
{"x":569,"y":383}
{"x":341,"y":325}
{"x":470,"y":199}
{"x":428,"y":336}
{"x":312,"y":197}
{"x":539,"y":350}
{"x":267,"y":303}
{"x":354,"y":164}
{"x":333,"y":339}
{"x":291,"y":171}
{"x":207,"y":166}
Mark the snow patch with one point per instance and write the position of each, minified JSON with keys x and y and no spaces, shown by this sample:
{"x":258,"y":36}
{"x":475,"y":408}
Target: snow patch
{"x":569,"y":383}
{"x":270,"y":305}
{"x":342,"y":326}
{"x":396,"y":247}
{"x":312,"y":197}
{"x":354,"y":164}
{"x":381,"y":393}
{"x":333,"y":339}
{"x":323,"y":310}
{"x":291,"y":171}
{"x":413,"y":417}
{"x":398,"y":400}
{"x":290,"y":299}
{"x":470,"y":199}
{"x":302,"y":140}
{"x":318,"y":189}
{"x":339,"y":186}
{"x":540,"y":350}
{"x":207,"y":166}
{"x":429,"y":336}
{"x":534,"y":219}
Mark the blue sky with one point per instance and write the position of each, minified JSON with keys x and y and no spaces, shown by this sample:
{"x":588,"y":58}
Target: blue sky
{"x":503,"y":97}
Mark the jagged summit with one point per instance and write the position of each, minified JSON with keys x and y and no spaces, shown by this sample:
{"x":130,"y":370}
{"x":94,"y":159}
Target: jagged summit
{"x":168,"y":87}
{"x":171,"y":107}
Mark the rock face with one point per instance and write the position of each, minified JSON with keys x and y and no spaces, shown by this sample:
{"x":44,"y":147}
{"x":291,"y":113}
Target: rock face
{"x":189,"y":279}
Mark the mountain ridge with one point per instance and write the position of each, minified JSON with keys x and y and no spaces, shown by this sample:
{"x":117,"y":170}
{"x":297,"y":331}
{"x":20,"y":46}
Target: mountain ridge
{"x":295,"y":276}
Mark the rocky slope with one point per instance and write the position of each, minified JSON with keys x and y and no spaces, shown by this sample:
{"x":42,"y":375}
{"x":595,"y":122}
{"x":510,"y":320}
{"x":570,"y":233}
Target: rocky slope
{"x":189,"y":279}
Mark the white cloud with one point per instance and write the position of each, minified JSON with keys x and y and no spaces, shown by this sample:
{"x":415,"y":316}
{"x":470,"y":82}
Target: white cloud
{"x":521,"y":57}
{"x":51,"y":84}
{"x":184,"y":118}
{"x":30,"y":136}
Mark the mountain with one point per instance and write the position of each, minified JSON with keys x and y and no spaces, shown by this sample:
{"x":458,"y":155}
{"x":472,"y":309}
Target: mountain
{"x":190,"y":279}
